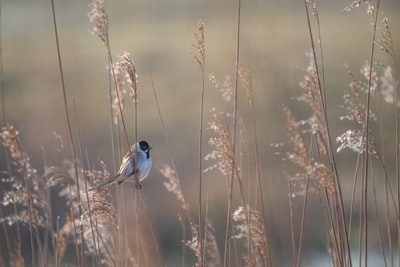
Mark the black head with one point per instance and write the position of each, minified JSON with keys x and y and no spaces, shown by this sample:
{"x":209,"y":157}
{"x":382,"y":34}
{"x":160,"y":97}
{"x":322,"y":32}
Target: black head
{"x":144,"y":146}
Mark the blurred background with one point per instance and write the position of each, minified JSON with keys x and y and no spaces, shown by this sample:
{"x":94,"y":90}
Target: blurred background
{"x":158,"y":34}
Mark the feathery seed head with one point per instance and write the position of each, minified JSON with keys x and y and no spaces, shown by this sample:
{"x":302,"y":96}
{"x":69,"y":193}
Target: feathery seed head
{"x":98,"y":16}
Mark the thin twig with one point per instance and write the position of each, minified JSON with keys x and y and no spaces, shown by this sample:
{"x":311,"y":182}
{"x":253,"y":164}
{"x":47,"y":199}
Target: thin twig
{"x":85,"y":183}
{"x":258,"y":171}
{"x":292,"y":234}
{"x":171,"y":156}
{"x":3,"y":123}
{"x":2,"y":89}
{"x":303,"y":215}
{"x":339,"y":196}
{"x":232,"y":174}
{"x":366,"y":136}
{"x":153,"y":235}
{"x":58,"y":260}
{"x":137,"y":238}
{"x":83,"y":262}
{"x":200,"y":59}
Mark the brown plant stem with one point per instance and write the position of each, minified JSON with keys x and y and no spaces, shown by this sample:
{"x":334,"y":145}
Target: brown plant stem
{"x":341,"y":218}
{"x":232,"y":174}
{"x":366,"y":137}
{"x":74,"y":155}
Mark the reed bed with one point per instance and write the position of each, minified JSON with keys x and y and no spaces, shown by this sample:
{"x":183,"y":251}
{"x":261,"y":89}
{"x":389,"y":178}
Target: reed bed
{"x":116,"y":226}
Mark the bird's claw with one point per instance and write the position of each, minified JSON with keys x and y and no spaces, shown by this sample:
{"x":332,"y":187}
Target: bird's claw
{"x":138,"y":185}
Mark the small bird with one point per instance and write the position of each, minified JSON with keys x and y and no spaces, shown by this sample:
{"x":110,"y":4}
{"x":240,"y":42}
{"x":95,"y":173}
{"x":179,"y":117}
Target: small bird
{"x":135,"y":164}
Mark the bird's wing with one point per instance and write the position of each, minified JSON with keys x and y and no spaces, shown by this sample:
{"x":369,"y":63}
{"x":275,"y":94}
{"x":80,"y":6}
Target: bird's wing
{"x":126,"y":169}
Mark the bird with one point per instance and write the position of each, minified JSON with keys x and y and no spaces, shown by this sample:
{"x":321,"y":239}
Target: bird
{"x":135,"y":164}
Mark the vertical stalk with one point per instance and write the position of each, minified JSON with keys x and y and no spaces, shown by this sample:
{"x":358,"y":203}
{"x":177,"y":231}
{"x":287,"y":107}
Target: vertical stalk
{"x":74,"y":155}
{"x":341,"y":218}
{"x":228,"y":220}
{"x":3,"y":108}
{"x":201,"y":60}
{"x":366,"y":137}
{"x":3,"y":123}
{"x":292,"y":235}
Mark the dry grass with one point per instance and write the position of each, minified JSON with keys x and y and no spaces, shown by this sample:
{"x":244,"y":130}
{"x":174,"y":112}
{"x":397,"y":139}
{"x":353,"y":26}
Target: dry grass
{"x":69,"y":222}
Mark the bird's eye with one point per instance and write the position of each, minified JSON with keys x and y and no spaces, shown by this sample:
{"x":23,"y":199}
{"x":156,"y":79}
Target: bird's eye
{"x":143,"y":145}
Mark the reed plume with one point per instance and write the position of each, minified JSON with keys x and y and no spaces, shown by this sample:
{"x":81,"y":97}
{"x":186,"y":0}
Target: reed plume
{"x":98,"y":16}
{"x":251,"y":226}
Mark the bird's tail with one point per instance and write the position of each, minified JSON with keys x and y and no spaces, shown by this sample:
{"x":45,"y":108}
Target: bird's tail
{"x":116,"y":179}
{"x":105,"y":184}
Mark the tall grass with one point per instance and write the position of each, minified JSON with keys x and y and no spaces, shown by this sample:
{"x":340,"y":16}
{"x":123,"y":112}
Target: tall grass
{"x":321,"y":176}
{"x":71,"y":139}
{"x":115,"y":226}
{"x":200,"y":58}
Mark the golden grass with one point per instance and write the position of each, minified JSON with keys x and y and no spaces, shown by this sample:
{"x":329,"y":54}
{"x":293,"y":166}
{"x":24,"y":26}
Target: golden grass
{"x":231,"y":204}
